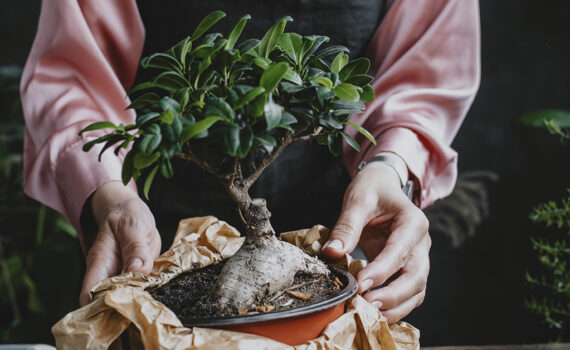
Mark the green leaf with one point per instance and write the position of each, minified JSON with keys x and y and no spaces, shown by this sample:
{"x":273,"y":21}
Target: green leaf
{"x":87,"y":146}
{"x":167,"y":116}
{"x":110,"y":142}
{"x":328,"y":120}
{"x":142,"y":160}
{"x":249,"y":96}
{"x":255,"y":108}
{"x":324,"y":93}
{"x":147,"y":117}
{"x":232,"y":140}
{"x":166,"y":168}
{"x":339,"y":62}
{"x":273,"y":75}
{"x":367,"y":94}
{"x":211,"y":38}
{"x":193,"y":130}
{"x":272,"y":112}
{"x":291,"y":44}
{"x":262,"y":63}
{"x":287,"y":119}
{"x":363,"y":131}
{"x":181,"y":50}
{"x":350,"y":141}
{"x":247,"y":45}
{"x":177,"y":127}
{"x":270,"y":38}
{"x":310,"y":46}
{"x":323,"y":81}
{"x":161,"y":61}
{"x":328,"y":51}
{"x":335,"y":145}
{"x":346,"y":92}
{"x":246,"y":141}
{"x":167,"y":103}
{"x":358,"y":66}
{"x":360,"y":80}
{"x":355,"y":106}
{"x":236,"y":32}
{"x":149,"y":143}
{"x":152,"y":129}
{"x":144,"y":100}
{"x":98,"y":126}
{"x":169,"y":81}
{"x":293,"y":77}
{"x":539,"y":118}
{"x":149,"y":180}
{"x":128,"y":167}
{"x":216,"y":106}
{"x":266,"y":141}
{"x":206,"y":23}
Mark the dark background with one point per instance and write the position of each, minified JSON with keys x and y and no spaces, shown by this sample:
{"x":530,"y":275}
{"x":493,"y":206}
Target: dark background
{"x":475,"y":292}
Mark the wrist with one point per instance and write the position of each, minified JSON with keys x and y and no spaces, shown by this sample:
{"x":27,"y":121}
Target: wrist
{"x":106,"y":195}
{"x":390,"y":160}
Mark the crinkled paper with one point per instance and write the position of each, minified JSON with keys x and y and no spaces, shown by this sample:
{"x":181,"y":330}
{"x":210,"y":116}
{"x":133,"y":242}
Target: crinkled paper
{"x":121,"y":304}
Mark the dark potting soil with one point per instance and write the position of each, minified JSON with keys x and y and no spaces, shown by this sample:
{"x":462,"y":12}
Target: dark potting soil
{"x":186,"y":296}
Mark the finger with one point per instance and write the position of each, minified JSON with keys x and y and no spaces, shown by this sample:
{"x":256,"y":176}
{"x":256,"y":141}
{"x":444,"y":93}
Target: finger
{"x":155,"y":244}
{"x":408,"y":229}
{"x":412,"y":281}
{"x":103,"y":261}
{"x":135,"y":231}
{"x":402,"y":310}
{"x":358,"y":208}
{"x":135,"y":239}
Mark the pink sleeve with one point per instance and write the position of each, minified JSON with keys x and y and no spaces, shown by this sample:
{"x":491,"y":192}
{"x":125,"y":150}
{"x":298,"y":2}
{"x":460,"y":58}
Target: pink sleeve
{"x":84,"y":56}
{"x":425,"y":59}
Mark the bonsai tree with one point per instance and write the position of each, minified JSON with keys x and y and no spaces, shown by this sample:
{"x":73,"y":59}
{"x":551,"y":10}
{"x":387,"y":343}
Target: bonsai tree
{"x":232,"y":110}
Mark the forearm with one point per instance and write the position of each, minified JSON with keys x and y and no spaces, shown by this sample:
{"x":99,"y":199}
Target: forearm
{"x":425,"y":58}
{"x":82,"y":60}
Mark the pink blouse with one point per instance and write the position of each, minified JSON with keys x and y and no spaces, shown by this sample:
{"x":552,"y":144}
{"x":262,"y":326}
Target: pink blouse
{"x":85,"y":55}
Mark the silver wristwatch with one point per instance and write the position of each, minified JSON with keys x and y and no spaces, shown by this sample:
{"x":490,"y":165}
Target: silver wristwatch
{"x":407,"y":185}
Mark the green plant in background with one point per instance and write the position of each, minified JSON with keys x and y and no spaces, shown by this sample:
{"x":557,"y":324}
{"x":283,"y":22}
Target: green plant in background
{"x":552,"y":285}
{"x":36,"y":244}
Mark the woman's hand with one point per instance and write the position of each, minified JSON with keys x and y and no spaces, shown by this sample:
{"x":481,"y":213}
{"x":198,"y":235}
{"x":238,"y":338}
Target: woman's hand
{"x":127,"y":240}
{"x":393,"y":234}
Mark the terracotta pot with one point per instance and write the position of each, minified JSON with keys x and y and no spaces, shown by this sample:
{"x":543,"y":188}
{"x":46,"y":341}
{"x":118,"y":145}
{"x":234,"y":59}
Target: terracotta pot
{"x":293,"y":326}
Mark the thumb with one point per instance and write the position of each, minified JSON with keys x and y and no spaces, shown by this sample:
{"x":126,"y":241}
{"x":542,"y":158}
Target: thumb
{"x":137,"y":249}
{"x":346,"y":233}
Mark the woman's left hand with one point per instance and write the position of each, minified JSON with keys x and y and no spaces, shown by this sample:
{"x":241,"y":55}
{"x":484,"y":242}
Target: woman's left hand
{"x":393,"y":234}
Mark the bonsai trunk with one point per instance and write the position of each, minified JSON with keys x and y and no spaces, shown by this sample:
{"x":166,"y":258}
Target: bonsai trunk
{"x":263,"y":264}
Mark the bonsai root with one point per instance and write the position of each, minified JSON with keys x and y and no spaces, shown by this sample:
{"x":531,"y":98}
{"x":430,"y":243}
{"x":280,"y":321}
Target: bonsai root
{"x":250,"y":275}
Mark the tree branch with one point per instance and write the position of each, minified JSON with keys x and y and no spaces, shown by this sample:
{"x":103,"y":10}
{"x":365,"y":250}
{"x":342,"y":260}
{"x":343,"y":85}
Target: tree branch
{"x":189,"y":155}
{"x":305,"y":138}
{"x":267,"y":160}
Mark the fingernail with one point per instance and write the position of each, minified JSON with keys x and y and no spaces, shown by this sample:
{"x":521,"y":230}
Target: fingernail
{"x":334,"y":244}
{"x":378,"y":304}
{"x":366,"y":285}
{"x":136,"y":262}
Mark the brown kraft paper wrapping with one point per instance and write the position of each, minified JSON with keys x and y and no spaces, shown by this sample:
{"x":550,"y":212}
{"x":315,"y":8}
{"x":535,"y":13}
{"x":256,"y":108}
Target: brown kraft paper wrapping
{"x":121,"y":303}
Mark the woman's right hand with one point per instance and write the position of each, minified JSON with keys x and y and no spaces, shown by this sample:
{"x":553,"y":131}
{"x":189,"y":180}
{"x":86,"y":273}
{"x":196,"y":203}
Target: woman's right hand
{"x":127,"y":238}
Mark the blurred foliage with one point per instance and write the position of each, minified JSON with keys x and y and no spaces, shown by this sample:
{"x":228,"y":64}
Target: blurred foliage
{"x":39,"y":254}
{"x":551,"y":281}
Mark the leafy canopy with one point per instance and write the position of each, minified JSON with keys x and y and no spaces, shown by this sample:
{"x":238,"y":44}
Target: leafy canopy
{"x":218,"y":102}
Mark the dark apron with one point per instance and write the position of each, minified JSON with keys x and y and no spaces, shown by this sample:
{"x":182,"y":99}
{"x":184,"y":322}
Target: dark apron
{"x":305,"y":185}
